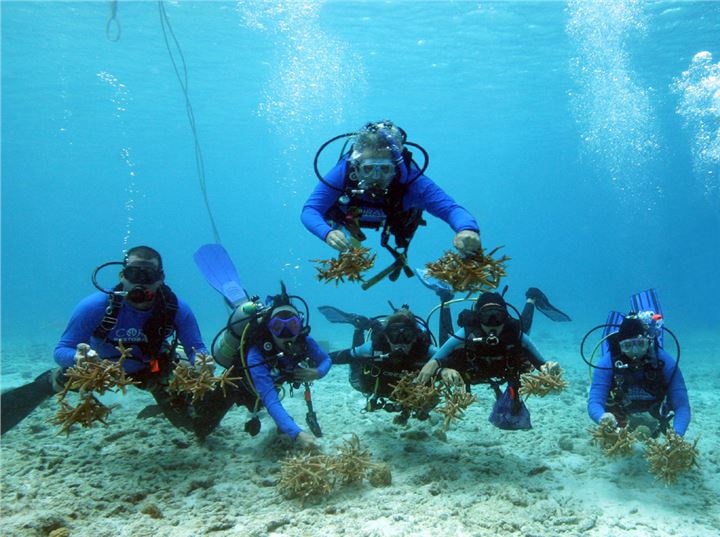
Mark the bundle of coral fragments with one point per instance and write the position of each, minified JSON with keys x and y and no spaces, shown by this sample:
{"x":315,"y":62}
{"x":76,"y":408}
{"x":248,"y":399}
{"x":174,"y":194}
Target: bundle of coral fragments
{"x":92,"y":376}
{"x":668,"y":459}
{"x":465,"y":273}
{"x":308,"y":475}
{"x":419,"y":399}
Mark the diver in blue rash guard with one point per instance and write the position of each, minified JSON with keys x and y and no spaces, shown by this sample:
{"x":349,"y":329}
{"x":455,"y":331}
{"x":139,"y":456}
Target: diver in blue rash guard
{"x":376,"y":184}
{"x":636,"y":376}
{"x":490,"y":348}
{"x":281,"y":351}
{"x":143,"y":314}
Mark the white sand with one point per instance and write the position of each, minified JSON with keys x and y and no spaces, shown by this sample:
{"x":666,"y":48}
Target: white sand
{"x":482,"y":481}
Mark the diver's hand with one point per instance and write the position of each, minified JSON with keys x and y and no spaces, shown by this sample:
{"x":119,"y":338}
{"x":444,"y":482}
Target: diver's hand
{"x":551,"y":368}
{"x":608,"y":418}
{"x":84,"y":352}
{"x":306,"y":441}
{"x":427,"y":372}
{"x":451,"y":377}
{"x":306,"y":374}
{"x":467,"y":241}
{"x":337,"y":239}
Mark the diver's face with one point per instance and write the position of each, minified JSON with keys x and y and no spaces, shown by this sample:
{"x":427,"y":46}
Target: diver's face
{"x":141,"y":278}
{"x":495,"y":328}
{"x":375,"y":169}
{"x":635,"y":348}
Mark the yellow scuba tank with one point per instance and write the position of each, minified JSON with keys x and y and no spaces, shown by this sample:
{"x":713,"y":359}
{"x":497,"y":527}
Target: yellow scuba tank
{"x":227,"y":350}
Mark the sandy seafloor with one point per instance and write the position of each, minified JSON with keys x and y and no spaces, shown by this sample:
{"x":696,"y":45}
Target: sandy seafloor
{"x":480,"y":481}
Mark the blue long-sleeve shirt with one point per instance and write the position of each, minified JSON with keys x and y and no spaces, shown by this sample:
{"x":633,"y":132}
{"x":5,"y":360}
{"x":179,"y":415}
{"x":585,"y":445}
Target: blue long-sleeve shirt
{"x":676,"y":394}
{"x":265,"y":378}
{"x":366,"y":351}
{"x":422,"y":194}
{"x":129,"y":329}
{"x":443,"y":354}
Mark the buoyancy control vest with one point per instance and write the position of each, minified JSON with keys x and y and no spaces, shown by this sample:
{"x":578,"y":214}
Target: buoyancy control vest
{"x":157,"y":329}
{"x":386,"y":213}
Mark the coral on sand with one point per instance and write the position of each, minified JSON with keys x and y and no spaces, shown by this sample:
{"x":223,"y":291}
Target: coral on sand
{"x":314,"y":474}
{"x":86,"y":413}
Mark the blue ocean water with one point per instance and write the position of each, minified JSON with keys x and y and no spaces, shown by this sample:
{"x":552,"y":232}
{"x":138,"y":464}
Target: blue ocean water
{"x":583,"y":136}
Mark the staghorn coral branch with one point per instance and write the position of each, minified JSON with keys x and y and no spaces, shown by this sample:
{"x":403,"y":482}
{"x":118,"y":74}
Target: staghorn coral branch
{"x":614,"y":441}
{"x":542,"y":383}
{"x":476,"y":272}
{"x":349,"y":264}
{"x":673,"y":457}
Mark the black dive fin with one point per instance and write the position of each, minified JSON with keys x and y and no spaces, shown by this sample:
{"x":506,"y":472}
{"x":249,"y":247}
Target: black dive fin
{"x":18,"y":403}
{"x":543,"y":306}
{"x":150,"y":411}
{"x":335,"y":315}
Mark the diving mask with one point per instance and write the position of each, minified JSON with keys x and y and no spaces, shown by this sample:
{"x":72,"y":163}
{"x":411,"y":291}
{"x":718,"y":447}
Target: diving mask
{"x":492,"y":315}
{"x":636,"y":347}
{"x":142,"y":274}
{"x":285,"y":328}
{"x":375,"y":173}
{"x":401,"y":337}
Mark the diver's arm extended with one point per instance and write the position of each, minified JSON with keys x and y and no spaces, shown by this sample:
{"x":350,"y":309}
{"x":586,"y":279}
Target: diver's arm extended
{"x":188,"y":331}
{"x":319,"y":357}
{"x":265,"y":387}
{"x":677,"y":394}
{"x":84,"y":319}
{"x":600,"y":388}
{"x":531,"y":352}
{"x":321,"y":199}
{"x":425,"y":194}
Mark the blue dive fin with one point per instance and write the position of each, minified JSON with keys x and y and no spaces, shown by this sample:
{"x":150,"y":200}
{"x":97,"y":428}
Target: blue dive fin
{"x":647,"y":301}
{"x":611,"y":326}
{"x":219,"y":271}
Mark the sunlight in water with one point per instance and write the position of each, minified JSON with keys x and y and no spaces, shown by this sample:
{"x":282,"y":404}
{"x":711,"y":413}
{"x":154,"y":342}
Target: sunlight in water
{"x":316,"y":75}
{"x":698,"y":90}
{"x":616,"y":119}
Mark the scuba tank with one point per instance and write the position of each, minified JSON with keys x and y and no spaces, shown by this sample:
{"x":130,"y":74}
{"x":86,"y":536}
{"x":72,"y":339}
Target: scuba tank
{"x":227,"y":349}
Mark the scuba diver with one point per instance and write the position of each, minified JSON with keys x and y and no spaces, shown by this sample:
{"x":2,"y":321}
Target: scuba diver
{"x":268,"y":345}
{"x":535,"y":299}
{"x":397,"y":343}
{"x":281,"y":351}
{"x":376,"y":184}
{"x":636,"y":381}
{"x":491,"y":347}
{"x":140,"y":312}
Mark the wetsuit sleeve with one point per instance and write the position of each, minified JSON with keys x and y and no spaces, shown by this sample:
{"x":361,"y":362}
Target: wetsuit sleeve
{"x":319,"y":357}
{"x":443,"y":353}
{"x":425,"y":194}
{"x":265,"y":388}
{"x":600,"y":388}
{"x":677,"y":394}
{"x":531,"y":353}
{"x":188,"y":331}
{"x":363,"y":351}
{"x":321,"y":199}
{"x":84,"y":320}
